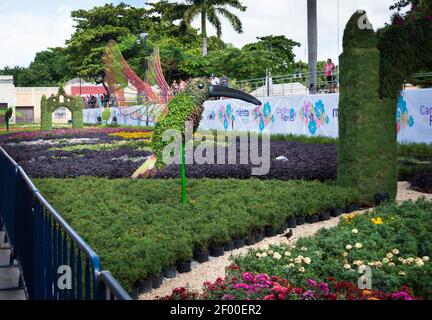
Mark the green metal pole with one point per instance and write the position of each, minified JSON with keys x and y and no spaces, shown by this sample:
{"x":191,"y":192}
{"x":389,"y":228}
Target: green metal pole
{"x":183,"y":173}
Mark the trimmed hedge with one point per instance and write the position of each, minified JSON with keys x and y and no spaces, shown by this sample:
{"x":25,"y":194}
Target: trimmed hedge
{"x":139,"y":226}
{"x":74,"y":104}
{"x":367,"y":125}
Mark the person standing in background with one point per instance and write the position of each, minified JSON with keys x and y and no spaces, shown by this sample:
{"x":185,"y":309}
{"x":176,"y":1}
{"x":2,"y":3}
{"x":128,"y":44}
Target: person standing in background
{"x":224,"y":81}
{"x":330,"y":70}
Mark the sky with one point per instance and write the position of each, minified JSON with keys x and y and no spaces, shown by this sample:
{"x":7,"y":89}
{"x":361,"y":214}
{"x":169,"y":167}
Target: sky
{"x":29,"y":26}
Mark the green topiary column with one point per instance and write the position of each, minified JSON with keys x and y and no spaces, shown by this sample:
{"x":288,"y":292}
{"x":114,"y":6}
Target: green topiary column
{"x":367,"y":125}
{"x":77,"y":114}
{"x":46,"y":116}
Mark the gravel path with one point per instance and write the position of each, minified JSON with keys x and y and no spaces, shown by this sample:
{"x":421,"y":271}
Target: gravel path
{"x":215,"y":268}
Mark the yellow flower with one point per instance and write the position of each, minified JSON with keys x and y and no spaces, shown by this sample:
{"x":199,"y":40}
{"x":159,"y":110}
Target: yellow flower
{"x":377,"y":221}
{"x":367,"y":292}
{"x":133,"y":135}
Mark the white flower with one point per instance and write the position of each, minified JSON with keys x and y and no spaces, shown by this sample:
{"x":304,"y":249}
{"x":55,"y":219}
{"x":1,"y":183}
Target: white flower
{"x":420,"y":262}
{"x":389,"y":255}
{"x":302,"y":269}
{"x":358,"y":245}
{"x":425,"y":259}
{"x":378,"y":264}
{"x":358,"y":262}
{"x":345,"y":254}
{"x":307,"y":260}
{"x":348,"y":247}
{"x":385,"y":260}
{"x":401,"y":259}
{"x":371,"y":264}
{"x":391,"y":264}
{"x":355,"y":231}
{"x":303,"y":249}
{"x":277,"y":256}
{"x":347,"y":266}
{"x":264,"y":254}
{"x":395,"y":251}
{"x":287,"y":253}
{"x":291,"y":265}
{"x":402,"y":273}
{"x":300,"y":257}
{"x":410,"y":260}
{"x":258,"y":255}
{"x":270,"y":252}
{"x":297,"y":260}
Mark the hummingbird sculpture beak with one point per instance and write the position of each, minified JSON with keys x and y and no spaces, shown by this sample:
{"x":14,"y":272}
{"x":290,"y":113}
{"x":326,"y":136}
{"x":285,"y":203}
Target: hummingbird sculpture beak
{"x":222,"y":91}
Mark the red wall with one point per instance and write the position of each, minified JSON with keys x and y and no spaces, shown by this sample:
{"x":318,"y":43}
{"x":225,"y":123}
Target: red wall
{"x":75,"y":90}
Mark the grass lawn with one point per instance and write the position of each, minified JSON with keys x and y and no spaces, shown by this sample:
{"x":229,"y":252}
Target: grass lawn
{"x":139,"y":226}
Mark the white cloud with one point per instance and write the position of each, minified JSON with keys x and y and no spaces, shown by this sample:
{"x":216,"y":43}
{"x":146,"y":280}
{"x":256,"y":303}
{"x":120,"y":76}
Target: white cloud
{"x":289,"y":18}
{"x":25,"y":33}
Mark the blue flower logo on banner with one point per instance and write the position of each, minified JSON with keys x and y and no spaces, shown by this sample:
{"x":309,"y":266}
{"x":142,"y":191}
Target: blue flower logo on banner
{"x":403,"y":119}
{"x":226,"y":116}
{"x":314,"y":115}
{"x":264,"y":116}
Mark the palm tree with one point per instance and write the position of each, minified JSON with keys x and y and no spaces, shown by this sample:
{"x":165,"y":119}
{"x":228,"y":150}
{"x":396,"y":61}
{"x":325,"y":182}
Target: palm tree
{"x":209,"y":10}
{"x":312,"y":43}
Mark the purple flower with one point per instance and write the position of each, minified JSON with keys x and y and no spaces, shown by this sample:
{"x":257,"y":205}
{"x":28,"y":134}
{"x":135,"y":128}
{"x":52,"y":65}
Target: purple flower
{"x":247,"y":276}
{"x":311,"y":283}
{"x":241,"y":286}
{"x":262,"y":278}
{"x":308,"y":295}
{"x":228,"y":297}
{"x":402,"y":295}
{"x":324,"y":287}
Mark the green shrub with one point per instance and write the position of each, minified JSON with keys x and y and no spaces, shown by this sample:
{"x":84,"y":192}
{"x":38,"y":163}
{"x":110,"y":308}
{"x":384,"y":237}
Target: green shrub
{"x":139,"y":226}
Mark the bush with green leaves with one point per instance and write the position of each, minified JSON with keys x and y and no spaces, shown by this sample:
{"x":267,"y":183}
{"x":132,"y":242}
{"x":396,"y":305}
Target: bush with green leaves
{"x":140,"y":226}
{"x":106,"y":114}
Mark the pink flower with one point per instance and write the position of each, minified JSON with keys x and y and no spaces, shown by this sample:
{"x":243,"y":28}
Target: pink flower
{"x":241,"y":286}
{"x":311,"y":283}
{"x":247,"y":276}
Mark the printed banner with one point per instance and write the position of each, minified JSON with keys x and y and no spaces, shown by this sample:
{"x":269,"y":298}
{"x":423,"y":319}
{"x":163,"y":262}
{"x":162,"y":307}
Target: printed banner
{"x":310,"y":115}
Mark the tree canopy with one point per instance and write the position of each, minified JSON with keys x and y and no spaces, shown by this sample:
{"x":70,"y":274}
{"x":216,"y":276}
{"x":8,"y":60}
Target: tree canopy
{"x":179,"y":44}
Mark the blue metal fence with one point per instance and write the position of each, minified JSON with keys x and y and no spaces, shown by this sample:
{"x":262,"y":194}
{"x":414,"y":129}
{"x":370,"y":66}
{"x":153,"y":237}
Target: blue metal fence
{"x":56,"y":263}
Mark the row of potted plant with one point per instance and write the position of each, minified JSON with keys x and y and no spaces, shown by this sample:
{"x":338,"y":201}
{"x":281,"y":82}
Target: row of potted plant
{"x":138,"y":227}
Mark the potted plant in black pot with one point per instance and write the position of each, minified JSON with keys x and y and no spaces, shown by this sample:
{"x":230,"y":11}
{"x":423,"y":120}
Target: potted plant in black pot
{"x":184,"y":265}
{"x":250,"y":239}
{"x":259,"y":234}
{"x":217,"y":243}
{"x":145,"y":286}
{"x":229,"y":245}
{"x":325,"y":215}
{"x":201,"y":254}
{"x":291,"y":222}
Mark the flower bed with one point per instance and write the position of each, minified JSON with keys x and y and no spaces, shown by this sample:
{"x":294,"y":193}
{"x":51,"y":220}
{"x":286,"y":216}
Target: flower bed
{"x":138,"y":227}
{"x":395,"y":242}
{"x":263,"y":287}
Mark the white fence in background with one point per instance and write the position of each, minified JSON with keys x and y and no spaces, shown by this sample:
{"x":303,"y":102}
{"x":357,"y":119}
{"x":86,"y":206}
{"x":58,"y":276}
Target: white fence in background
{"x":311,"y":115}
